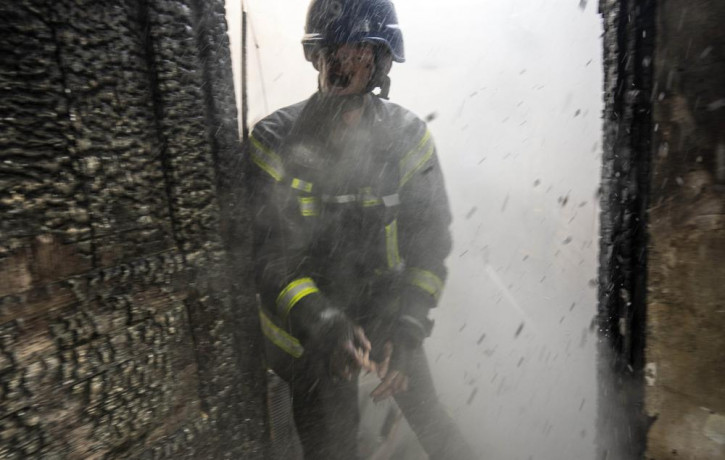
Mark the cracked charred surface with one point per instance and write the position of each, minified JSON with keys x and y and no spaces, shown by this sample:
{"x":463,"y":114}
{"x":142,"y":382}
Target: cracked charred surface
{"x":686,"y":313}
{"x":664,"y":172}
{"x":127,"y":316}
{"x":628,"y":45}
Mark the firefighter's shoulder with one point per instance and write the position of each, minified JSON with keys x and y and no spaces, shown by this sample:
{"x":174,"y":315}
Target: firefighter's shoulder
{"x":409,"y":134}
{"x":271,"y":130}
{"x":399,"y":118}
{"x":268,"y":135}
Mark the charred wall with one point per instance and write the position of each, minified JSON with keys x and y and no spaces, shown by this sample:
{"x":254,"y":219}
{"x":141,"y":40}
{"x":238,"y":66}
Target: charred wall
{"x":685,"y":391}
{"x":127,"y":318}
{"x":628,"y":53}
{"x":663,"y":233}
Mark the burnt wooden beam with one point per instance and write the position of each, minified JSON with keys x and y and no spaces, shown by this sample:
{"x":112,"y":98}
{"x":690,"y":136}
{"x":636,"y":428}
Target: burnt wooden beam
{"x":629,"y":43}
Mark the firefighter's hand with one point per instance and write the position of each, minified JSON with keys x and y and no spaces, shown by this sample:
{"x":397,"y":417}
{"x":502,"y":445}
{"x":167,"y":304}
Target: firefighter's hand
{"x":392,"y":371}
{"x":350,"y":351}
{"x":335,"y":343}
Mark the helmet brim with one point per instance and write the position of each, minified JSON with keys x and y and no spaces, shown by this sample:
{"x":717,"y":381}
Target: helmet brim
{"x":311,"y":42}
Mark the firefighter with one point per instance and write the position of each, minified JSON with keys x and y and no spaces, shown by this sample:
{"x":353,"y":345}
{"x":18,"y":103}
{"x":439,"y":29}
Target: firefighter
{"x":351,"y":230}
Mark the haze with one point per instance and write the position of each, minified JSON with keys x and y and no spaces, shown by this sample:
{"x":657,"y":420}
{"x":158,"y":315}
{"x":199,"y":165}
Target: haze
{"x":512,"y":89}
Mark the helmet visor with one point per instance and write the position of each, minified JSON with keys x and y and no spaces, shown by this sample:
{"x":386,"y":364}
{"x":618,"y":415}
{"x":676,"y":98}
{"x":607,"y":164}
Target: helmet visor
{"x":334,"y":22}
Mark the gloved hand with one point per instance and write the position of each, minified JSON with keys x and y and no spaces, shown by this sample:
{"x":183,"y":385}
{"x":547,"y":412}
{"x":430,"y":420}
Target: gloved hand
{"x":338,"y":342}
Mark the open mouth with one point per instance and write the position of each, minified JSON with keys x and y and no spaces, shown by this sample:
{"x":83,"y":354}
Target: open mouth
{"x":339,"y":80}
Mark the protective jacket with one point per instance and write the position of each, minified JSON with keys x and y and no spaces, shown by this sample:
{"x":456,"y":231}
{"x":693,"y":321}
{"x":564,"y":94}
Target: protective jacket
{"x":357,"y":219}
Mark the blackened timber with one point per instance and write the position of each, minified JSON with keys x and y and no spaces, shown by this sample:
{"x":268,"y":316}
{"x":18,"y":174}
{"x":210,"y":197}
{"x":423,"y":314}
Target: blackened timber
{"x":628,"y":49}
{"x":124,"y":333}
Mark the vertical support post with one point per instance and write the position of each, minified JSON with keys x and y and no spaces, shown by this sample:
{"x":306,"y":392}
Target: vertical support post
{"x":245,"y":103}
{"x":628,"y":88}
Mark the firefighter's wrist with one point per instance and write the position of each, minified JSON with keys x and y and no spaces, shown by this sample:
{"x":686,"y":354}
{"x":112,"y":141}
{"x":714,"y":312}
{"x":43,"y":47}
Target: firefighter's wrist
{"x":304,"y":317}
{"x":403,"y":350}
{"x":413,"y":320}
{"x":411,"y":331}
{"x":312,"y":317}
{"x":417,"y":302}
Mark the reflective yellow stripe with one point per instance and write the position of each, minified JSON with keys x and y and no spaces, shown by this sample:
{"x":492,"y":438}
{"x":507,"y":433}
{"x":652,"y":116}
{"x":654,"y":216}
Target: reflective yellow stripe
{"x":416,"y":158}
{"x":425,"y":280}
{"x":309,"y":206}
{"x":301,"y":185}
{"x":266,"y":159}
{"x":417,"y":148}
{"x":369,"y":202}
{"x":293,"y":293}
{"x":368,"y":199}
{"x":391,"y":244}
{"x":280,"y":337}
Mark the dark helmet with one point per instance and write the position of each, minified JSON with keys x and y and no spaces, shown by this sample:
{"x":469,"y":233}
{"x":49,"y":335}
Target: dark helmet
{"x":352,"y":21}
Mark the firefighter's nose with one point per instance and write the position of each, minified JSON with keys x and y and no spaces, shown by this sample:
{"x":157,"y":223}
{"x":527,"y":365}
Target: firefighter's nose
{"x":344,"y":62}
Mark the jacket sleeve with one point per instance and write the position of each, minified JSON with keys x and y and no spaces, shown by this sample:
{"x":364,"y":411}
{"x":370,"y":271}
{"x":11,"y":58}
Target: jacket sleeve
{"x":424,"y":234}
{"x":281,"y":235}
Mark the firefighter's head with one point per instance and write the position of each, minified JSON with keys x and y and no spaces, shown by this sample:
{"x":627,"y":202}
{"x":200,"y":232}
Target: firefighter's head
{"x":353,"y":44}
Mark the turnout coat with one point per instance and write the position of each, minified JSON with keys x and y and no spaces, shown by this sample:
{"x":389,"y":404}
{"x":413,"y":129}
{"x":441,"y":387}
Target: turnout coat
{"x":356,"y":218}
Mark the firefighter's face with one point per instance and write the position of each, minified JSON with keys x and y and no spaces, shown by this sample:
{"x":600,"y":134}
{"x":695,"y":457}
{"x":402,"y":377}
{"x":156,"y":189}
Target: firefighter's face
{"x":346,"y":69}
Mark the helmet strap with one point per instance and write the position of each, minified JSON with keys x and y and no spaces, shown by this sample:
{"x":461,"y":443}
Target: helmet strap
{"x":384,"y":88}
{"x":380,"y":78}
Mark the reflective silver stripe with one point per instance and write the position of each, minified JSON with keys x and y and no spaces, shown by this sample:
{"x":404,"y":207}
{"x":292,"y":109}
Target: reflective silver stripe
{"x":425,"y":280}
{"x":309,"y":206}
{"x":293,"y":293}
{"x":266,"y":159}
{"x":279,"y":336}
{"x":391,"y":244}
{"x":367,"y":199}
{"x":301,"y":185}
{"x":391,"y":200}
{"x":339,"y":199}
{"x":416,"y":158}
{"x":409,"y":319}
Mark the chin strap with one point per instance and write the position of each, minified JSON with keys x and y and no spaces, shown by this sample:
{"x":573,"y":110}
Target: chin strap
{"x":380,"y":79}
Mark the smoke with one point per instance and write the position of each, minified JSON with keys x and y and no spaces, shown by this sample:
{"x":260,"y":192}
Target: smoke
{"x":515,"y":87}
